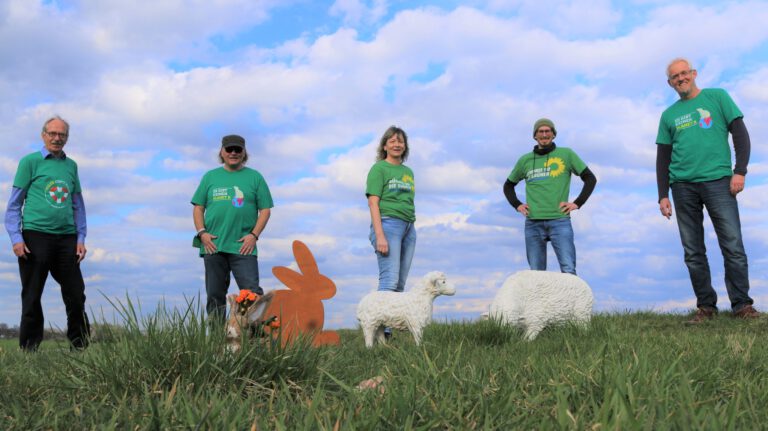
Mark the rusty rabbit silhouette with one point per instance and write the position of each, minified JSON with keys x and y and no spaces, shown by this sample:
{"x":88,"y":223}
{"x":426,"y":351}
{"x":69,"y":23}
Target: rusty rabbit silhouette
{"x":300,"y":309}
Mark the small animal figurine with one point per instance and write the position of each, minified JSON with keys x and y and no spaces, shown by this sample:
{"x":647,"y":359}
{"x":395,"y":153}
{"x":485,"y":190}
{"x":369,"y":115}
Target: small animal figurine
{"x":300,"y":309}
{"x":411,"y":310}
{"x":247,"y":312}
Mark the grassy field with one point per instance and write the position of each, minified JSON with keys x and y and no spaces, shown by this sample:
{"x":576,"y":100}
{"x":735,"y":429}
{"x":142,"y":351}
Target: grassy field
{"x":628,"y":371}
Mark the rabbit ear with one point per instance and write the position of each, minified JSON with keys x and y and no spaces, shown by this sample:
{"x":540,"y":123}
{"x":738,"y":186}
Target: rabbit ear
{"x":232,"y":301}
{"x":257,"y":309}
{"x":289,"y":277}
{"x":304,"y":258}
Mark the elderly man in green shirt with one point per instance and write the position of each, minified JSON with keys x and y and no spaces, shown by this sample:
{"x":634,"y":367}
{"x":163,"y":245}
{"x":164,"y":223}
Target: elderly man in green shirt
{"x":694,"y":159}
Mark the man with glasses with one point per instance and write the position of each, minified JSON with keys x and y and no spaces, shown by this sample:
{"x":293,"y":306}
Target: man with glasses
{"x":231,"y":209}
{"x":694,"y":159}
{"x":547,"y":173}
{"x":48,"y":235}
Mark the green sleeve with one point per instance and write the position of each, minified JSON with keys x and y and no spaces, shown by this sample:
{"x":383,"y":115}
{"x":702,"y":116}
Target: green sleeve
{"x":577,"y":165}
{"x":263,"y":196}
{"x":24,"y":174}
{"x":730,"y":110}
{"x":664,"y":135}
{"x":77,"y":187}
{"x":517,"y":173}
{"x":201,"y":194}
{"x":374,"y":184}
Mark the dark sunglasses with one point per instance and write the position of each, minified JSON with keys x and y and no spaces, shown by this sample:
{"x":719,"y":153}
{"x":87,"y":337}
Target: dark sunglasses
{"x":236,"y":150}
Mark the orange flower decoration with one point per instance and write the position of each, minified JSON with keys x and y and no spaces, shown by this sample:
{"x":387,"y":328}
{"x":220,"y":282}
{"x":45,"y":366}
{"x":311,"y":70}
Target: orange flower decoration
{"x":245,"y":299}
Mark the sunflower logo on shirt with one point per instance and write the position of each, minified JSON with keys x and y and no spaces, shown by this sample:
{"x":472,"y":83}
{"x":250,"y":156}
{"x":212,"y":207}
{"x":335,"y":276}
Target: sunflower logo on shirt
{"x":404,"y":184}
{"x":556,"y":166}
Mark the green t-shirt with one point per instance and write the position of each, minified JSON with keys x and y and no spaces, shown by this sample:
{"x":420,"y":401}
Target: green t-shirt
{"x":697,"y":129}
{"x":395,"y":186}
{"x":232,"y":201}
{"x":547,"y":181}
{"x":50,"y":184}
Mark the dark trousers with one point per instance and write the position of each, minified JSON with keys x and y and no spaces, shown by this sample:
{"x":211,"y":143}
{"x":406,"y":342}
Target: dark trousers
{"x":690,"y":201}
{"x":55,"y":254}
{"x":217,"y":269}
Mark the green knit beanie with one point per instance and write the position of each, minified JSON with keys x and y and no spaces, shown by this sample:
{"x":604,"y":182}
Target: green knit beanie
{"x":544,"y":122}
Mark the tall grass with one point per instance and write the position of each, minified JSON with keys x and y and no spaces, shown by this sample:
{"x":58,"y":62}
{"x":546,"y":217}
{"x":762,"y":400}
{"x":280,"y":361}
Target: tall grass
{"x":171,"y":371}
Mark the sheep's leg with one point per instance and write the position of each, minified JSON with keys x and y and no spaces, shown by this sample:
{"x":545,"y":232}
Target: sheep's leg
{"x":415,"y":331}
{"x":531,"y":331}
{"x":368,"y":335}
{"x":380,"y":335}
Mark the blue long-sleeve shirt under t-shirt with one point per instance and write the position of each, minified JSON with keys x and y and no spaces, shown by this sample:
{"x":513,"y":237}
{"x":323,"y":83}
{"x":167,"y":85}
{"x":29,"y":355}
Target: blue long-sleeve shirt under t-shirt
{"x":13,"y":212}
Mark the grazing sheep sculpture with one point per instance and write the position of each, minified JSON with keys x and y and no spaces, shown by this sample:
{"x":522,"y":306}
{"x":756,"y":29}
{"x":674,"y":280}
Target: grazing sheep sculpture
{"x":533,"y":300}
{"x":410,"y":310}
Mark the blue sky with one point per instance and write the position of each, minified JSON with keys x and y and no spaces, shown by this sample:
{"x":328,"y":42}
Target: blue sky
{"x":150,"y":87}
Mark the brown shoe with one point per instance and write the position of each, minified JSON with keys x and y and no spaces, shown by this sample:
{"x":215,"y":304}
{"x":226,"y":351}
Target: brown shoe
{"x":701,"y":316}
{"x":747,"y":312}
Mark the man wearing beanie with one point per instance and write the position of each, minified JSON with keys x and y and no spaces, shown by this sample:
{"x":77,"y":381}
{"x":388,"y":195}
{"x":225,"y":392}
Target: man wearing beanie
{"x":547,"y":173}
{"x":231,"y":209}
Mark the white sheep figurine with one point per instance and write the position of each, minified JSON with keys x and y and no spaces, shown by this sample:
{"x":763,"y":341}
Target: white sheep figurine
{"x":533,"y":300}
{"x":410,"y":310}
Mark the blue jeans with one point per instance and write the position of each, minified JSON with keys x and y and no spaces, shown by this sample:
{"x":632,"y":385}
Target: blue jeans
{"x":394,"y":266}
{"x":690,"y":198}
{"x":560,"y":233}
{"x":245,"y":268}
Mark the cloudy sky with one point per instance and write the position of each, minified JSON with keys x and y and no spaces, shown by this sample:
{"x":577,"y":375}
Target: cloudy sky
{"x":150,"y":87}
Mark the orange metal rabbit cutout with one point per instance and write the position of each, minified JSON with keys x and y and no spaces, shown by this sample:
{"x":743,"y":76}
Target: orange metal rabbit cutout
{"x":300,"y":309}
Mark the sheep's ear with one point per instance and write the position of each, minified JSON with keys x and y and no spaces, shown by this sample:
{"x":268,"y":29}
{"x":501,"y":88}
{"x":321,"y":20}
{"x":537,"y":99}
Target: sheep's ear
{"x":257,"y":310}
{"x":232,"y":300}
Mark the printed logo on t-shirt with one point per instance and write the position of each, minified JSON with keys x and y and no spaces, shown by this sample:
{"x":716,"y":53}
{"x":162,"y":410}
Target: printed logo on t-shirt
{"x":57,"y":192}
{"x":705,"y":118}
{"x":220,"y":194}
{"x":553,"y":167}
{"x":559,"y":166}
{"x":239,"y":198}
{"x":404,"y":184}
{"x":685,"y":121}
{"x":236,"y":197}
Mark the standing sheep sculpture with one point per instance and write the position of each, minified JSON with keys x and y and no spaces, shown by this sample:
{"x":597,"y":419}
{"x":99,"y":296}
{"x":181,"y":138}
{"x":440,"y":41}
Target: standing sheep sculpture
{"x":410,"y":310}
{"x":533,"y":300}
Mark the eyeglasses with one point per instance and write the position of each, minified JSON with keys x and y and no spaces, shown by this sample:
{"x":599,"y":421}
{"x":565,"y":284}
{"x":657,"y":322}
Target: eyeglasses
{"x":236,"y":150}
{"x":54,"y":135}
{"x":683,"y":74}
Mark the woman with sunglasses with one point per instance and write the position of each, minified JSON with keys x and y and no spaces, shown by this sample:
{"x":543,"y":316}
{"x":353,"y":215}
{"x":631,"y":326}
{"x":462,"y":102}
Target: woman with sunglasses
{"x":231,"y":209}
{"x":390,"y":191}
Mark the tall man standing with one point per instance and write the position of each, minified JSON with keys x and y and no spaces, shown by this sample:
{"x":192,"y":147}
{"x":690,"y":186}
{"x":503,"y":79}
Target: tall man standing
{"x":693,"y":157}
{"x":547,"y":173}
{"x":50,"y":235}
{"x":231,"y":207}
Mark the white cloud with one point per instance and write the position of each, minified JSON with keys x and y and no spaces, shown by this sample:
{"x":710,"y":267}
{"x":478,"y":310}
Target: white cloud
{"x":355,"y":12}
{"x":465,"y":83}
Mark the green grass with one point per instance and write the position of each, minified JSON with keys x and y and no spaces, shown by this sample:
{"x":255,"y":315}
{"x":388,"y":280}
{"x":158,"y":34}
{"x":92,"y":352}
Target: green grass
{"x":170,"y":371}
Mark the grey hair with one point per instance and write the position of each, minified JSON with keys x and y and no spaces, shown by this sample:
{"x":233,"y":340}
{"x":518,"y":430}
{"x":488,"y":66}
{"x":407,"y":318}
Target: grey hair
{"x":55,"y":117}
{"x":678,"y":60}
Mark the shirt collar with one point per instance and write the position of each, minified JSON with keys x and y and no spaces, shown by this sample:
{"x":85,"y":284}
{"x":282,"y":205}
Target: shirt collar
{"x":47,"y":154}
